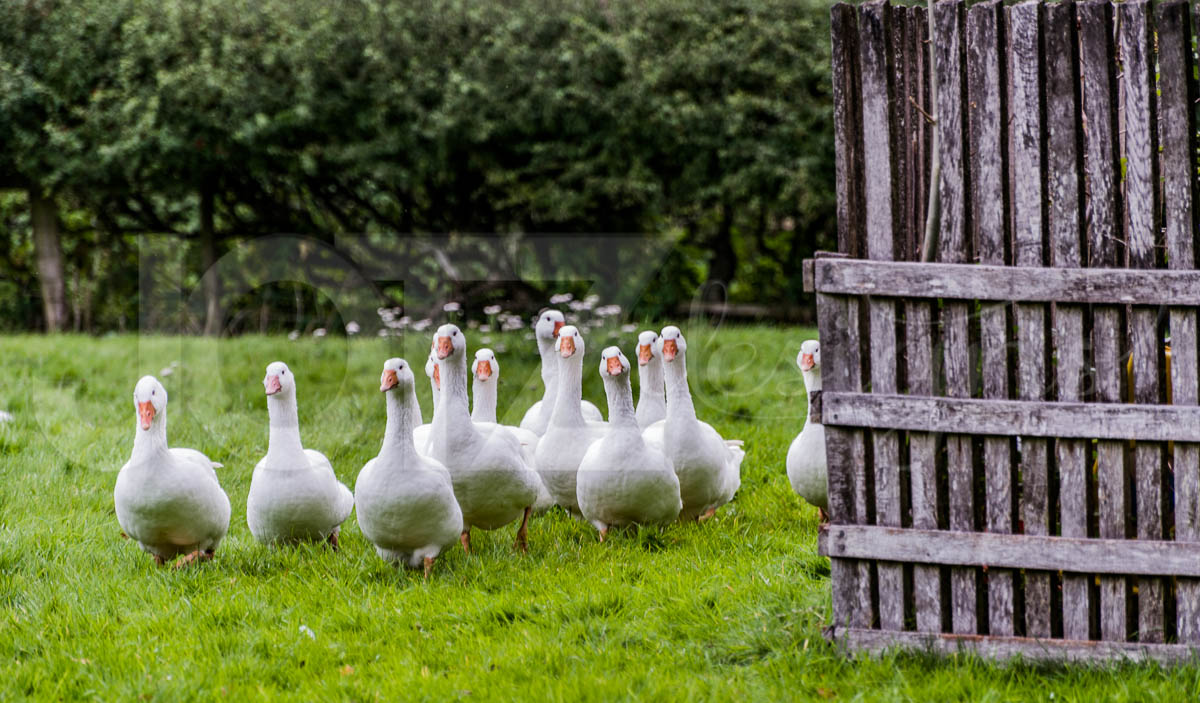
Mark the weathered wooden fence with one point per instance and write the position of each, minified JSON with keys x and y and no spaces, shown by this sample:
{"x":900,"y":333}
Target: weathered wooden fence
{"x":1014,"y":454}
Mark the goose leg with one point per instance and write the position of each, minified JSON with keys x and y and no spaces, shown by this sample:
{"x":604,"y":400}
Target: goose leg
{"x":158,"y":561}
{"x":194,"y":557}
{"x":706,"y":514}
{"x":603,"y":534}
{"x":465,"y":538}
{"x":123,"y":535}
{"x":333,"y":539}
{"x":822,"y":517}
{"x":522,"y":540}
{"x":428,"y":567}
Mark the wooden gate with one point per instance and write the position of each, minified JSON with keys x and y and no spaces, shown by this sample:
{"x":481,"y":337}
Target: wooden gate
{"x":1014,"y":450}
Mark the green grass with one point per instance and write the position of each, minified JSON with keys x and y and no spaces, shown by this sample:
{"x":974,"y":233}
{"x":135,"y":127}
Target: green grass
{"x":733,"y":608}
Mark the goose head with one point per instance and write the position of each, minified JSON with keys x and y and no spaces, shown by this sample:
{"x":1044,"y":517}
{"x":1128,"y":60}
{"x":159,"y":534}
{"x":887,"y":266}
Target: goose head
{"x":569,"y":342}
{"x":431,"y":370}
{"x":647,"y":347}
{"x":671,"y":344}
{"x":549,"y":324}
{"x":279,"y":379}
{"x":396,"y":374}
{"x":448,"y":341}
{"x":809,"y":358}
{"x":485,"y":367}
{"x":150,"y":398}
{"x":613,"y":363}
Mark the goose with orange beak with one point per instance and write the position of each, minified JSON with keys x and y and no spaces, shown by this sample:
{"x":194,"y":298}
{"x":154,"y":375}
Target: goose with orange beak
{"x":652,"y":399}
{"x":622,"y":481}
{"x":569,"y":435}
{"x":708,"y":466}
{"x":294,"y":494}
{"x":405,"y":501}
{"x":806,"y":468}
{"x":168,"y":500}
{"x":493,"y":484}
{"x":546,"y":330}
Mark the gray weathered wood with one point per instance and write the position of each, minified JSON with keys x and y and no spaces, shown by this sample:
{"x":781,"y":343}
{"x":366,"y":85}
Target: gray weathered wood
{"x":1037,"y":552}
{"x":883,"y":224}
{"x":989,"y":197}
{"x":1064,"y":167}
{"x":985,"y":282}
{"x":922,"y":465}
{"x":876,"y":642}
{"x":954,"y":247}
{"x":1136,"y":34}
{"x":1177,"y":96}
{"x":1104,"y":208}
{"x":847,"y":128}
{"x":1039,"y":419}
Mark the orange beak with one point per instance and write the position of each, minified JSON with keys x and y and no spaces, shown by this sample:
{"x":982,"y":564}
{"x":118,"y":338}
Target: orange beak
{"x":273,"y":385}
{"x":389,"y":380}
{"x":483,"y":370}
{"x":566,"y":347}
{"x":444,"y":347}
{"x":644,"y":354}
{"x":145,"y":413}
{"x":670,"y":349}
{"x":614,"y":366}
{"x":437,"y":376}
{"x":557,"y":326}
{"x":806,"y":362}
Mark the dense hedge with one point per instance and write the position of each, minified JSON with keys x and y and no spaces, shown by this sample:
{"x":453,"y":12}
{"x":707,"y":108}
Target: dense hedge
{"x":705,"y":120}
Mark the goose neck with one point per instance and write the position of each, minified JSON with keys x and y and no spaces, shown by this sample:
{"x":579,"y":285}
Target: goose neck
{"x":402,"y":411}
{"x":650,"y":383}
{"x":484,"y":408}
{"x":812,"y":385}
{"x":679,"y":398}
{"x":151,"y":442}
{"x":567,"y":412}
{"x":284,"y":439}
{"x":452,"y":408}
{"x":620,"y":401}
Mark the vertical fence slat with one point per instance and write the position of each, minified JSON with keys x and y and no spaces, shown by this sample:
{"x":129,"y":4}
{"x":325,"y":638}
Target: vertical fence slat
{"x":1104,"y":215}
{"x":988,"y":135}
{"x":1064,"y":190}
{"x":1025,"y":73}
{"x":847,"y":128}
{"x":1141,"y":157}
{"x":879,"y":139}
{"x":1177,"y":96}
{"x":955,"y":248}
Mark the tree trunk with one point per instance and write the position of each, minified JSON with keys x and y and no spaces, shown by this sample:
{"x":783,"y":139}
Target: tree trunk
{"x":208,"y":258}
{"x":49,"y":259}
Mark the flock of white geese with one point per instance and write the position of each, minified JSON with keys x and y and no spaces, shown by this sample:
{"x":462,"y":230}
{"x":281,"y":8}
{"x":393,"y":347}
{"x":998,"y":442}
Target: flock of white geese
{"x":432,"y":483}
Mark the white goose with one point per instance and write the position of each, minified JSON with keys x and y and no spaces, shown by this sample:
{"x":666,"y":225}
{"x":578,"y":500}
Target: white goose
{"x":169,"y":501}
{"x":569,"y":435}
{"x":294,"y":494}
{"x":537,"y":418}
{"x":709,"y":467}
{"x":621,"y":480}
{"x":405,"y":501}
{"x":652,"y":399}
{"x":421,"y":432}
{"x":806,"y":456}
{"x":492,"y":483}
{"x":485,"y":373}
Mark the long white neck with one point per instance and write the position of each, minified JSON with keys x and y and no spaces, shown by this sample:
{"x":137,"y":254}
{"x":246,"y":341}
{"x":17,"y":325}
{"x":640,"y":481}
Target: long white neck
{"x":151,"y":442}
{"x":434,"y":392}
{"x":414,"y":416}
{"x":679,"y":398}
{"x":285,"y":425}
{"x":812,"y":382}
{"x":650,"y":385}
{"x":484,"y":403}
{"x":451,"y":412}
{"x":570,"y":392}
{"x":550,"y":361}
{"x":620,"y":400}
{"x":402,"y":413}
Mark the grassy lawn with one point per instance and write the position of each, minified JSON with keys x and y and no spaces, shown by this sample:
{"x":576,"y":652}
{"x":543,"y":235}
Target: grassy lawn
{"x":733,"y":608}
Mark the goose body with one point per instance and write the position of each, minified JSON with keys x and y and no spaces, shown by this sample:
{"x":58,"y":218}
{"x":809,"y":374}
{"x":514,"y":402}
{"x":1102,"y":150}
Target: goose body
{"x":569,"y":435}
{"x":621,"y":480}
{"x":294,"y":493}
{"x":493,"y":484}
{"x":708,"y":466}
{"x":537,"y":417}
{"x":405,"y":501}
{"x":806,"y":467}
{"x":168,"y":500}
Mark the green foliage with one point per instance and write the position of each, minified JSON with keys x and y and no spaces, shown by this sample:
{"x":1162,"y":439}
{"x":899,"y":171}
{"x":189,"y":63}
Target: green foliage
{"x":710,"y":122}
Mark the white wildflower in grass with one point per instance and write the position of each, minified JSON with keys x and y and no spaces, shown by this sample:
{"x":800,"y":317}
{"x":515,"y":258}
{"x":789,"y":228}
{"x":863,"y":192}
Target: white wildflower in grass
{"x":394,"y":324}
{"x":319,"y":332}
{"x":578,"y":305}
{"x":485,"y":340}
{"x":629,"y":328}
{"x":421,"y":325}
{"x":472,"y":324}
{"x":386,"y":315}
{"x":451,"y":307}
{"x":294,"y":335}
{"x":608,"y":310}
{"x":352,"y":328}
{"x":306,"y":630}
{"x":166,"y":371}
{"x":5,"y":416}
{"x":384,"y":332}
{"x":405,"y":321}
{"x":485,"y":328}
{"x":528,"y":336}
{"x":500,"y":348}
{"x":592,"y":299}
{"x":491,"y":310}
{"x":560,"y":298}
